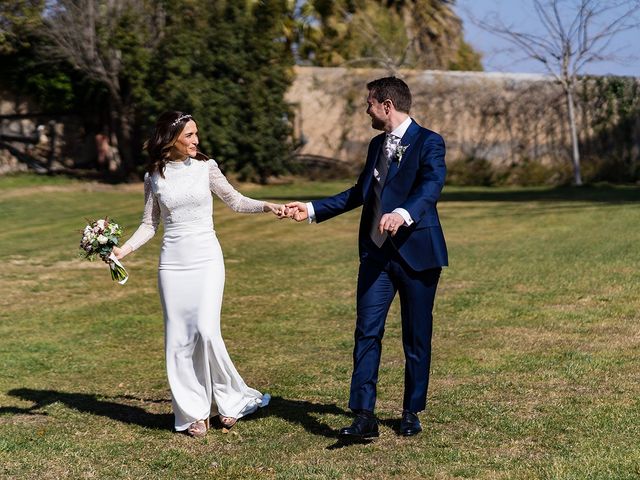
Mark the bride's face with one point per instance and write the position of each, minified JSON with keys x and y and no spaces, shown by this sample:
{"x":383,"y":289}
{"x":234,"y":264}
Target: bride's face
{"x":187,"y":142}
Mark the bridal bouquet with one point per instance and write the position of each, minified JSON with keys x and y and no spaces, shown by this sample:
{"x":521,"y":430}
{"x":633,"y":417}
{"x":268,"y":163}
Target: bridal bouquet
{"x":98,"y":239}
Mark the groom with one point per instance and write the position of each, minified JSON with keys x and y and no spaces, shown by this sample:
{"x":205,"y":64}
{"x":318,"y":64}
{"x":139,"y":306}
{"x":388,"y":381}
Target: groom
{"x":402,"y":249}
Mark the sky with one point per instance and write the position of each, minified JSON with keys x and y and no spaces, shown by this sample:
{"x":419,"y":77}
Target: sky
{"x":521,"y":15}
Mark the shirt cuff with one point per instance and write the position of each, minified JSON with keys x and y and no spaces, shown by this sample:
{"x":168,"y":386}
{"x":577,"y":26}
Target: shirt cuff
{"x":405,"y":215}
{"x":311,"y":213}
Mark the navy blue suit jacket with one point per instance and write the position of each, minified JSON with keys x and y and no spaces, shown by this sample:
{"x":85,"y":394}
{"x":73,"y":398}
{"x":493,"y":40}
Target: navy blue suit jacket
{"x":414,"y":184}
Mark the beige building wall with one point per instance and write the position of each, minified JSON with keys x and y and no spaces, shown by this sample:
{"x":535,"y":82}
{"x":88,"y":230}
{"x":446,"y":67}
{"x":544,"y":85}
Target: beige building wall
{"x":503,"y":118}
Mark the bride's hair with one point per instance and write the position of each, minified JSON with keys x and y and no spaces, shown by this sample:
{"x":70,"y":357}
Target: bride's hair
{"x":168,"y":128}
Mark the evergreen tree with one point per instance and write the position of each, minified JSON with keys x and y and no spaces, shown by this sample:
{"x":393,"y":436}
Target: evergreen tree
{"x":228,"y":64}
{"x":230,"y":68}
{"x":265,"y":146}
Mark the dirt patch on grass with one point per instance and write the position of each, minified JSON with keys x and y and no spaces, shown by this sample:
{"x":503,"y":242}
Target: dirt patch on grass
{"x":32,"y":421}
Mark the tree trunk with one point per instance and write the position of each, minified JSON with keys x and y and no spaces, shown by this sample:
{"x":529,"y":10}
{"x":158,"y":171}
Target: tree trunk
{"x":121,"y":118}
{"x":577,"y":175}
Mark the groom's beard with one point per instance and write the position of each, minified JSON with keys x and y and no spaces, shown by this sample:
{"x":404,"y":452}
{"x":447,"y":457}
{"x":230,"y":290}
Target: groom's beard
{"x":377,"y":123}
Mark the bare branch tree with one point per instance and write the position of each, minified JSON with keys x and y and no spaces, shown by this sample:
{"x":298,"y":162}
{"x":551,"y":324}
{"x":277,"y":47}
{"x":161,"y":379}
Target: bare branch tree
{"x":84,"y":33}
{"x":575,"y":34}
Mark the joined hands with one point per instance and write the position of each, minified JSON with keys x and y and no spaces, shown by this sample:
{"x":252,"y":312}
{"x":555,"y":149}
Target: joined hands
{"x":390,"y":222}
{"x":294,"y":210}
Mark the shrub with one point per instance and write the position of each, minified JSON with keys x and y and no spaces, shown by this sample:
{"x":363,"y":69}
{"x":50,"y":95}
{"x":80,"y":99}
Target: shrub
{"x":530,"y":172}
{"x":470,"y":171}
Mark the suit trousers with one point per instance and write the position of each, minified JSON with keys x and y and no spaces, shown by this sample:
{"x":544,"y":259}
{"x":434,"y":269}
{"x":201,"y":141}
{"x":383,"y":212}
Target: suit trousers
{"x":378,"y":283}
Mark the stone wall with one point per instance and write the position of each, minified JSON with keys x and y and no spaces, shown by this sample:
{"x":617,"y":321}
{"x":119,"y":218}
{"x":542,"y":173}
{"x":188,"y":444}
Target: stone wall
{"x":20,"y":119}
{"x":11,"y":104}
{"x":501,"y":118}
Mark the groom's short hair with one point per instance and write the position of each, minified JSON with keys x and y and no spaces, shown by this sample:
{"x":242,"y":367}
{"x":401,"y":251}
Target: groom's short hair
{"x":393,"y":89}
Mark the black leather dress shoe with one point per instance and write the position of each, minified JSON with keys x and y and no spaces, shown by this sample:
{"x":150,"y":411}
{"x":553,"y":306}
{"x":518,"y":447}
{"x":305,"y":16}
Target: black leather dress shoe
{"x":363,"y":426}
{"x":410,"y":424}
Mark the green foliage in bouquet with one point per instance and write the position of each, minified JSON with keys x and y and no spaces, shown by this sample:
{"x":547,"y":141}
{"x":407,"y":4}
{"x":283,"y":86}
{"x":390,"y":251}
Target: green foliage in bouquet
{"x":98,"y":239}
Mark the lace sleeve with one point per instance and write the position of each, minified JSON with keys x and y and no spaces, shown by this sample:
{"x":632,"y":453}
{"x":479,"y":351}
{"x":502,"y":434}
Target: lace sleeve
{"x":219,"y":185}
{"x":150,"y":218}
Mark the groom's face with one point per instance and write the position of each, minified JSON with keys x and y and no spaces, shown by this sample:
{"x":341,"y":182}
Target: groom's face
{"x":377,"y":112}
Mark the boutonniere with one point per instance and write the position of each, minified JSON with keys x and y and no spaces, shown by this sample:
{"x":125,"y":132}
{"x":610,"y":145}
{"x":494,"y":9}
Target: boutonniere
{"x":400,"y":152}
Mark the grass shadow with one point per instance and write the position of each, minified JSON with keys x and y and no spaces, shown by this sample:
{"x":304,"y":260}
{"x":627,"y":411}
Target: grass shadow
{"x":392,"y":423}
{"x":605,"y":193}
{"x":89,"y":403}
{"x":588,"y":193}
{"x":302,"y":413}
{"x":298,"y":412}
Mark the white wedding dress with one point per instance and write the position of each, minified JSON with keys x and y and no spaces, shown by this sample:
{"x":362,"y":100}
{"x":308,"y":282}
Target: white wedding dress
{"x":191,"y":281}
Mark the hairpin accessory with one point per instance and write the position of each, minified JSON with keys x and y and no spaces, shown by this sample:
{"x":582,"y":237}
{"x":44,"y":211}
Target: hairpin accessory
{"x":179,"y":119}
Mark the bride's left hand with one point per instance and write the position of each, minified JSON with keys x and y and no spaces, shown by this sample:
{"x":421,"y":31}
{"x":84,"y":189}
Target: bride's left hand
{"x":278,"y":210}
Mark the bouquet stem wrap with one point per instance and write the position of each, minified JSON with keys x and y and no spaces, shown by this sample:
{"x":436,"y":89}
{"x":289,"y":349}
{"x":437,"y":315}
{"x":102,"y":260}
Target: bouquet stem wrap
{"x":118,"y":272}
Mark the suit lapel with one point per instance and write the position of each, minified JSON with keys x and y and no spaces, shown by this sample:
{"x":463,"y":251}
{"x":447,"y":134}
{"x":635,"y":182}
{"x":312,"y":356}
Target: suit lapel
{"x":407,"y":141}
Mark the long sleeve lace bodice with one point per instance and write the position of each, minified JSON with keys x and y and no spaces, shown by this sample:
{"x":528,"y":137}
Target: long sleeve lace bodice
{"x":219,"y":185}
{"x":184,"y":196}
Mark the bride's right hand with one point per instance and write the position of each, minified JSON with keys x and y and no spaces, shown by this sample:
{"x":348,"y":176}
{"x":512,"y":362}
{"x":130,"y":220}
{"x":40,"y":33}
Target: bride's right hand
{"x":120,"y":253}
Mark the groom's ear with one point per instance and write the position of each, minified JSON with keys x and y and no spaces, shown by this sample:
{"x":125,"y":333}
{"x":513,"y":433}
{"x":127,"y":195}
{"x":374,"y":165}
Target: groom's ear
{"x":388,"y":105}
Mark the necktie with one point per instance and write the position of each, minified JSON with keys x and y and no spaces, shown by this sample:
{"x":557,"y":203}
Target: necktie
{"x":382,"y":168}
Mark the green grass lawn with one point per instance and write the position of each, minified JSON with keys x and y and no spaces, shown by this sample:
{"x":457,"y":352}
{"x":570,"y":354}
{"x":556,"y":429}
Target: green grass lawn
{"x":536,"y":349}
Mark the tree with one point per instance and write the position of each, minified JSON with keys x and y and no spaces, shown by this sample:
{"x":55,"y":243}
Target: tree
{"x":226,"y":62}
{"x":575,"y":34}
{"x":436,"y":36}
{"x":18,"y":19}
{"x":186,"y":70}
{"x":389,"y":33}
{"x":22,"y":69}
{"x":233,"y":82}
{"x":110,"y":42}
{"x":265,"y":145}
{"x":225,"y":99}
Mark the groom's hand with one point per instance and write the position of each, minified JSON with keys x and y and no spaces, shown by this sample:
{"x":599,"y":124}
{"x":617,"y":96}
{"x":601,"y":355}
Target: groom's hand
{"x":391,"y":222}
{"x":297,"y":211}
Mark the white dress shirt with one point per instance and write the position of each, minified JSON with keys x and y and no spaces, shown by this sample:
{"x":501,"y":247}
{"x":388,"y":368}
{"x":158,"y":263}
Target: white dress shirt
{"x":399,"y":132}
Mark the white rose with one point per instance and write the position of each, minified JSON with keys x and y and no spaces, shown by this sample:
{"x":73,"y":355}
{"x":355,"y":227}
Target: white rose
{"x":102,"y":239}
{"x":100,"y":224}
{"x":87,"y":229}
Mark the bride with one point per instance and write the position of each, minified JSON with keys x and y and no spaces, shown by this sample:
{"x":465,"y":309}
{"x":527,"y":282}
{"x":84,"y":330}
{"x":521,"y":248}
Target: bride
{"x":177,"y":189}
